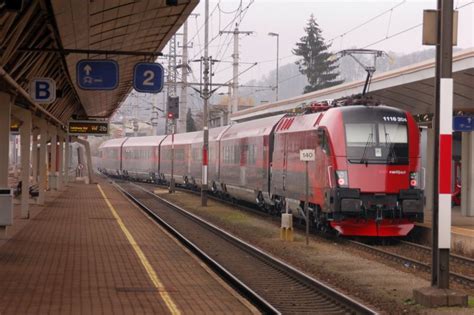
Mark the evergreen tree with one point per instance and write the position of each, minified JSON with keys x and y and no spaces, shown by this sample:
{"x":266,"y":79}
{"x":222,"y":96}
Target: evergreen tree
{"x":190,"y":125}
{"x":317,"y":63}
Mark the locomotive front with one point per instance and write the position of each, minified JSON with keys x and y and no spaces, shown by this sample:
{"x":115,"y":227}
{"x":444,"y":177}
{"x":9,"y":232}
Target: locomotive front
{"x":378,"y":189}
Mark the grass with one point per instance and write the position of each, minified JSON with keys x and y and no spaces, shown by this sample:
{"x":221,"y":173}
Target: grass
{"x":470,"y":302}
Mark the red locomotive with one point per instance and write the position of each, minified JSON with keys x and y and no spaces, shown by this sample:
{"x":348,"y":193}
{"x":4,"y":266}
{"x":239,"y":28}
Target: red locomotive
{"x":365,"y":180}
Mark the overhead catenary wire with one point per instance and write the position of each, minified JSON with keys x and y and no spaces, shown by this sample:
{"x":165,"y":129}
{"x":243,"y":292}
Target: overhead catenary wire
{"x":366,"y":22}
{"x":229,"y":12}
{"x":407,"y":29}
{"x":243,"y":11}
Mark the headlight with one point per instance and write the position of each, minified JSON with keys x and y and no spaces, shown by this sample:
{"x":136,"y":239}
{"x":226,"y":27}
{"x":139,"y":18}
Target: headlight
{"x":341,"y":178}
{"x":413,"y":179}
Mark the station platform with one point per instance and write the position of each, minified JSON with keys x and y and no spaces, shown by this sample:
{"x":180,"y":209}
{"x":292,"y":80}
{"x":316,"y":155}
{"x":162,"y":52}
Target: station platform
{"x":89,"y":250}
{"x":462,"y":231}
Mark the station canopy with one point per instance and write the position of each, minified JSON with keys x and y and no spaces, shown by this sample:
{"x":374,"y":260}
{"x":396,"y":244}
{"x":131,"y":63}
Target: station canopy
{"x":411,"y":88}
{"x":42,"y":38}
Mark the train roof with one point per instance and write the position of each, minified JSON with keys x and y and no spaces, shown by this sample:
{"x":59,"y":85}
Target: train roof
{"x":113,"y":143}
{"x":252,"y":128}
{"x":299,"y":122}
{"x":184,"y":138}
{"x":143,"y":141}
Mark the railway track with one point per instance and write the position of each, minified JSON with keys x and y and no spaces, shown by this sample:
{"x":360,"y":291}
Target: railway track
{"x":462,"y":260}
{"x":409,"y":262}
{"x":272,"y":285}
{"x":459,"y":264}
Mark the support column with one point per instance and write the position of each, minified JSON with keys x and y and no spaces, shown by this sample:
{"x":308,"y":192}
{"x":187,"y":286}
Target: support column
{"x":90,"y":168}
{"x":34,"y":156}
{"x":467,"y":173}
{"x":25,"y":134}
{"x":52,"y":179}
{"x":430,"y":140}
{"x":6,"y":199}
{"x":67,"y":161}
{"x":42,"y":161}
{"x":60,"y":179}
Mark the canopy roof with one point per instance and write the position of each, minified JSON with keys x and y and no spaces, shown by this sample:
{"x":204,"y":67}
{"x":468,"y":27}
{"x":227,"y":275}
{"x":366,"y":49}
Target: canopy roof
{"x":410,"y":88}
{"x":37,"y":40}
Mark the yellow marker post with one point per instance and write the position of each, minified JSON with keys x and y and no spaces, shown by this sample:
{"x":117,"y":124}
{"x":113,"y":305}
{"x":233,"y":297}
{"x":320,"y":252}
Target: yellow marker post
{"x":286,"y":230}
{"x":146,"y":264}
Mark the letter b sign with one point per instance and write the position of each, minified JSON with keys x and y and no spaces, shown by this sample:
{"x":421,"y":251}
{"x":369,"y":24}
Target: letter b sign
{"x":43,"y":90}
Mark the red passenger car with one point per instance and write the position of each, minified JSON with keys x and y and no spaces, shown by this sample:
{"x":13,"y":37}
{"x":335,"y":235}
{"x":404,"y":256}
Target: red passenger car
{"x":110,"y":154}
{"x":245,"y":159}
{"x":140,"y":158}
{"x":184,"y":170}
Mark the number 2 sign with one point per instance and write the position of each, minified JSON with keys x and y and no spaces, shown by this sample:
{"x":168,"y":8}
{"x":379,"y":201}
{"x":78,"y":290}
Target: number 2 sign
{"x":148,"y":77}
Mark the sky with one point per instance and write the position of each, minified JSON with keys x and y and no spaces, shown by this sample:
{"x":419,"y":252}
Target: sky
{"x":340,"y":22}
{"x":391,"y":26}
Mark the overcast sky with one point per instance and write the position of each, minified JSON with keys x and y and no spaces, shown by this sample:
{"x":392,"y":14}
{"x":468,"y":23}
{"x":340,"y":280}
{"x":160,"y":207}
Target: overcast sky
{"x":336,"y":19}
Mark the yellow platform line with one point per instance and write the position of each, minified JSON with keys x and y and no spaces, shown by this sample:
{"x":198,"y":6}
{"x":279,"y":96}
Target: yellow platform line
{"x":146,"y":264}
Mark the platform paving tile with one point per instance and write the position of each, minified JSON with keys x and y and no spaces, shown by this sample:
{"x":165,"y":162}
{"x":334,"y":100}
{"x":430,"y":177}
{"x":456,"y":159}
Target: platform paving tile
{"x":73,"y":258}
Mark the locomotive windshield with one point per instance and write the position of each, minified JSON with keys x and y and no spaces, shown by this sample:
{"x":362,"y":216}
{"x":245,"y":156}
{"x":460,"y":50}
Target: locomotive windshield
{"x":376,"y":136}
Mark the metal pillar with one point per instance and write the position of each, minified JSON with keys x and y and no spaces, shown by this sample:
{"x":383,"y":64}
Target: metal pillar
{"x":467,"y":174}
{"x":90,"y":169}
{"x":205,"y":96}
{"x":67,"y":160}
{"x":184,"y":85}
{"x":6,"y":199}
{"x":25,"y":137}
{"x":42,"y":161}
{"x":443,"y":127}
{"x":60,"y":162}
{"x":430,"y":139}
{"x":172,"y":72}
{"x":34,"y":156}
{"x":235,"y":69}
{"x":235,"y":75}
{"x":172,"y":182}
{"x":53,"y":160}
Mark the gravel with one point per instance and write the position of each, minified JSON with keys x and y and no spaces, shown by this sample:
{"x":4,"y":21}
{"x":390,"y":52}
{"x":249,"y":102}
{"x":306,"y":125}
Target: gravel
{"x":388,"y":287}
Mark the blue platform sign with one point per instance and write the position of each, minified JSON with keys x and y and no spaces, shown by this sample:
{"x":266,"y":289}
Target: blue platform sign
{"x":148,"y":77}
{"x":97,"y":74}
{"x":43,"y":90}
{"x":463,"y":123}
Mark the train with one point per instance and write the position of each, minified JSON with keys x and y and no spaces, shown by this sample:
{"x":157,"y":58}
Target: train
{"x":366,"y":178}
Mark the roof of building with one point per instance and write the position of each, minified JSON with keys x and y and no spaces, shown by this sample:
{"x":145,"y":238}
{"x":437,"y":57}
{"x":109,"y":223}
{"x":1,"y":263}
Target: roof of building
{"x":410,"y":88}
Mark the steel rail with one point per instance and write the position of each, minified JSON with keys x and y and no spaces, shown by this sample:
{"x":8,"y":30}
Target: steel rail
{"x":248,"y":293}
{"x":330,"y":293}
{"x":454,"y":257}
{"x":456,"y":277}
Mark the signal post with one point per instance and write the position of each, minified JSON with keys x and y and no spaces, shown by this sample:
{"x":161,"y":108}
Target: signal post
{"x":439,"y":29}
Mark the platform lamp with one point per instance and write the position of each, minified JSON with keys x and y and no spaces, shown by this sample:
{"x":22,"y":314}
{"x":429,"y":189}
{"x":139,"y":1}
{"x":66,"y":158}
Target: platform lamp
{"x":278,"y":53}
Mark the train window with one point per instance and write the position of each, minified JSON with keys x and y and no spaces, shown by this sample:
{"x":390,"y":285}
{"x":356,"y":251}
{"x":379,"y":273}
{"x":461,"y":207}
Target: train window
{"x":251,"y":155}
{"x":236,"y":154}
{"x":323,"y":141}
{"x":392,"y":133}
{"x":360,"y":134}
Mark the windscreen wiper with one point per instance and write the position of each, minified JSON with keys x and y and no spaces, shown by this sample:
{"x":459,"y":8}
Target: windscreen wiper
{"x":391,"y":151}
{"x":364,"y":159}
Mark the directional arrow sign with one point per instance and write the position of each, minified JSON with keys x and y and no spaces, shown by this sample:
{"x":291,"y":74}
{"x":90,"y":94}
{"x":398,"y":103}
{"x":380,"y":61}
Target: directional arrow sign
{"x":463,"y":123}
{"x":97,"y":74}
{"x":87,"y":69}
